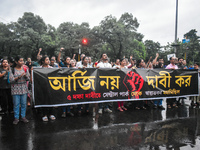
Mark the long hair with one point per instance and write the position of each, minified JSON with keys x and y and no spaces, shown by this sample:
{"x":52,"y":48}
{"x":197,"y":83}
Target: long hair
{"x":138,"y":62}
{"x":17,"y":58}
{"x":84,"y":59}
{"x":42,"y":60}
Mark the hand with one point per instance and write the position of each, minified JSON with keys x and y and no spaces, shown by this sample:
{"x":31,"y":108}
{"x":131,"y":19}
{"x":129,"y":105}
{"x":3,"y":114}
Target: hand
{"x":118,"y":67}
{"x":157,"y":55}
{"x":8,"y":69}
{"x":61,"y":49}
{"x":40,"y":49}
{"x":74,"y":55}
{"x":23,"y":74}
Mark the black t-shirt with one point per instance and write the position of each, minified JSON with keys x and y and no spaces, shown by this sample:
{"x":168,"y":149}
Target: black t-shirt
{"x":4,"y":80}
{"x":29,"y":66}
{"x":180,"y":66}
{"x":158,"y":66}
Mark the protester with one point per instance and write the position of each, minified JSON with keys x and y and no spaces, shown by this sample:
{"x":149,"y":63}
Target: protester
{"x":159,"y":63}
{"x":158,"y":103}
{"x":191,"y":67}
{"x":181,"y":66}
{"x":104,"y":64}
{"x":184,"y":63}
{"x":19,"y":89}
{"x":80,"y":62}
{"x":54,"y":58}
{"x":67,"y":60}
{"x":195,"y":100}
{"x":140,"y":104}
{"x":5,"y":88}
{"x":133,"y":64}
{"x":180,"y":63}
{"x":68,"y":65}
{"x":73,"y":63}
{"x":44,"y":61}
{"x":90,"y":63}
{"x":53,"y":64}
{"x":39,"y":56}
{"x":85,"y":64}
{"x":122,"y":66}
{"x":171,"y":102}
{"x":117,"y":63}
{"x":29,"y":64}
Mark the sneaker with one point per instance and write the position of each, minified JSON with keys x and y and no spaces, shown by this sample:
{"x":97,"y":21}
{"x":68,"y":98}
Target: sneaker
{"x":108,"y":110}
{"x":16,"y":121}
{"x":45,"y":119}
{"x":95,"y":126}
{"x":52,"y":117}
{"x":24,"y":120}
{"x":100,"y":111}
{"x":70,"y":114}
{"x":63,"y":115}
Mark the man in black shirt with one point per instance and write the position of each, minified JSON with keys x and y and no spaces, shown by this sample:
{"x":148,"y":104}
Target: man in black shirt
{"x":180,"y":63}
{"x":160,"y":64}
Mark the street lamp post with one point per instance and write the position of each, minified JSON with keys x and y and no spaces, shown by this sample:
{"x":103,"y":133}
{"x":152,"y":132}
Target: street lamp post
{"x":176,"y":22}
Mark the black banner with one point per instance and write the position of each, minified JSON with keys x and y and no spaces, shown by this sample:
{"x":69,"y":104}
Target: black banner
{"x":64,"y":86}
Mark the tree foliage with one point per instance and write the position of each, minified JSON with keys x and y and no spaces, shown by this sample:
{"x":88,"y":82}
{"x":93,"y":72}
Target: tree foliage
{"x":116,"y":37}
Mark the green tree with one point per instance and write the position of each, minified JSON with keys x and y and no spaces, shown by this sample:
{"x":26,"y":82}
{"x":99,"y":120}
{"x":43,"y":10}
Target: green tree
{"x":70,"y":36}
{"x":119,"y":37}
{"x":192,"y":48}
{"x":152,"y":48}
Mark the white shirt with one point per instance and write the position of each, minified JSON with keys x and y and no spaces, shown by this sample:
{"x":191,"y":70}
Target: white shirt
{"x":88,"y":66}
{"x":104,"y":65}
{"x":119,"y":67}
{"x":79,"y":64}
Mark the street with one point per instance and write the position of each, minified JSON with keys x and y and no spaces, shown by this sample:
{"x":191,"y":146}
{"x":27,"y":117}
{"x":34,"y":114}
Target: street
{"x":176,"y":128}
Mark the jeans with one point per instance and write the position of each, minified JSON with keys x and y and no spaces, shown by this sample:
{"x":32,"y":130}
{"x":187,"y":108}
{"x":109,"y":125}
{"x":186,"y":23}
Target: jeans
{"x":19,"y":100}
{"x":68,"y":109}
{"x":158,"y":102}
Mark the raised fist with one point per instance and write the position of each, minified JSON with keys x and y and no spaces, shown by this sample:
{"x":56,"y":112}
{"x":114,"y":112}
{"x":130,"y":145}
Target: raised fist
{"x":133,"y":82}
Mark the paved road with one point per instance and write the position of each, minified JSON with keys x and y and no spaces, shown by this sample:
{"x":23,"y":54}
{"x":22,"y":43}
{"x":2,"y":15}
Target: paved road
{"x":177,"y":128}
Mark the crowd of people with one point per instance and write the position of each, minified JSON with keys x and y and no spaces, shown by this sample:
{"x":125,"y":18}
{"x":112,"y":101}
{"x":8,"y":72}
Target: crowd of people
{"x":15,"y":83}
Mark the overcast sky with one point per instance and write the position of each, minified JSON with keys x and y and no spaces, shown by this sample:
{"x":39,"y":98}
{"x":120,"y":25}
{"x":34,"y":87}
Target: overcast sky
{"x":156,"y":17}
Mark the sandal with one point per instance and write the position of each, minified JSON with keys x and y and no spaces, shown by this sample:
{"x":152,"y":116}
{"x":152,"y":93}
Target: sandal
{"x":124,"y":108}
{"x":137,"y":108}
{"x":120,"y":109}
{"x":144,"y":108}
{"x":45,"y":119}
{"x":52,"y":117}
{"x":168,"y":106}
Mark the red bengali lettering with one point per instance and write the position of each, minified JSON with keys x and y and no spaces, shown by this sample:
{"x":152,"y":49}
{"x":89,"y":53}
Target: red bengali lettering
{"x":93,"y":95}
{"x":69,"y":97}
